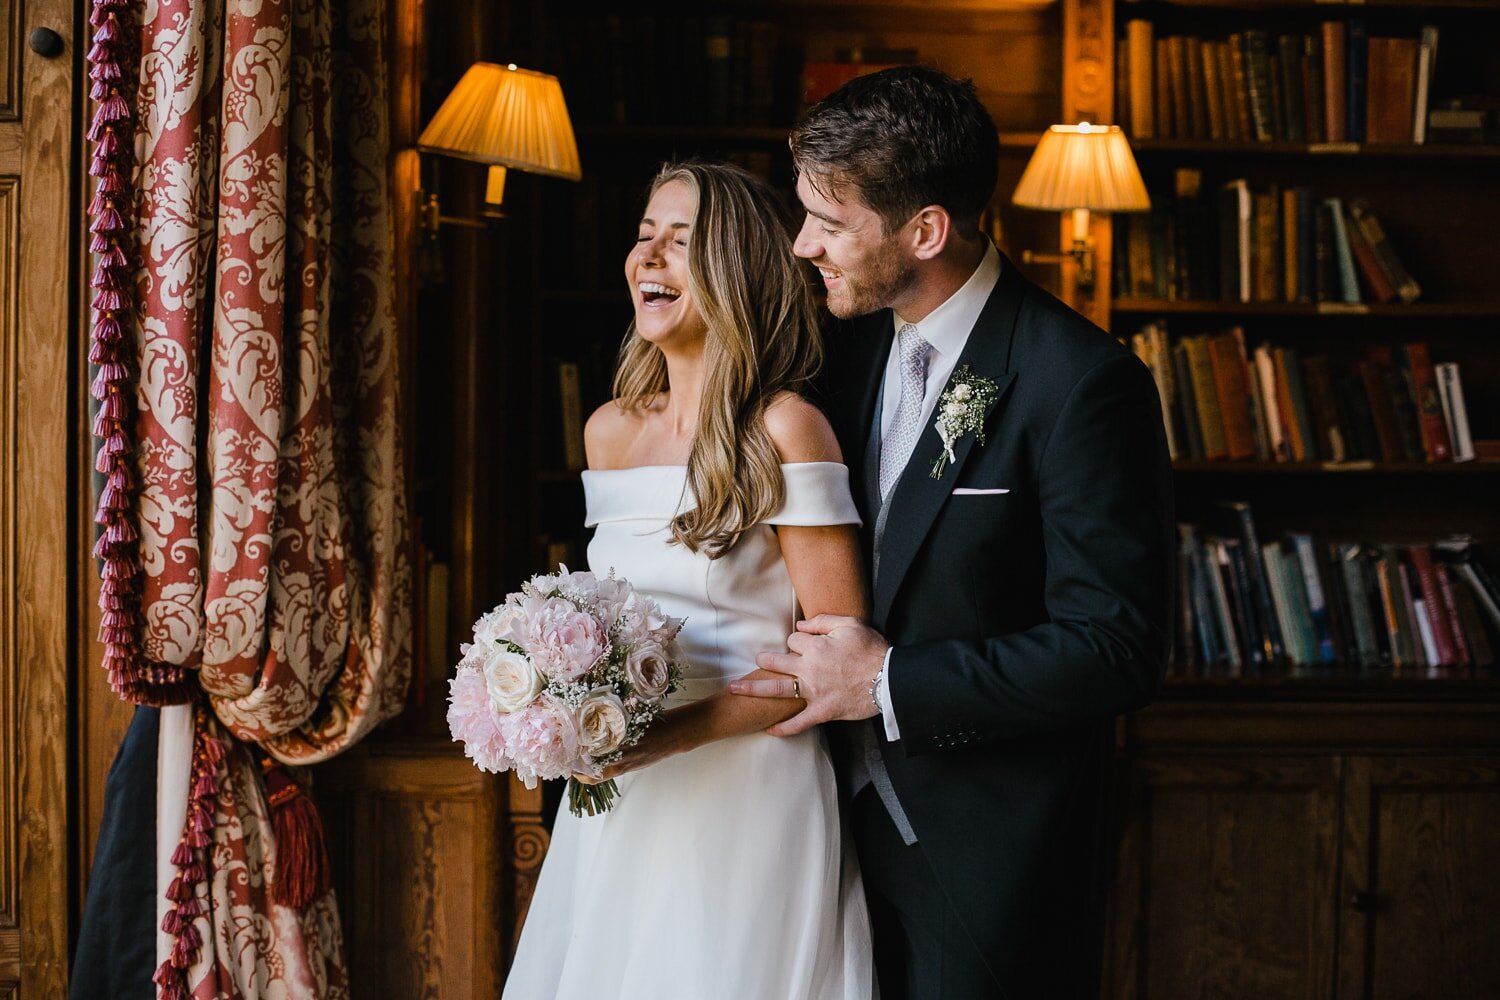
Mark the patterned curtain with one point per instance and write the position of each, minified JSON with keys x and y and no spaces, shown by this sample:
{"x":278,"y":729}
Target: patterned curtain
{"x":253,"y":521}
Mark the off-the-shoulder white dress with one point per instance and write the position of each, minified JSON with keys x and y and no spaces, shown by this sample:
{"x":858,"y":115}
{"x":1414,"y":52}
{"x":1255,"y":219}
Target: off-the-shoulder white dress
{"x":720,"y":873}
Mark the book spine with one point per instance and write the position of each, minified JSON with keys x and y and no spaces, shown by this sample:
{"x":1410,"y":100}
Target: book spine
{"x":1411,"y":617}
{"x":1357,"y":61}
{"x":1281,"y":610}
{"x":1375,"y":277}
{"x":1446,"y":595}
{"x":1421,"y":560}
{"x":1233,"y":395}
{"x":1313,"y":105}
{"x":1398,"y":386}
{"x":1210,"y":418}
{"x":1317,"y":597}
{"x":1301,"y":412}
{"x":1239,"y":583}
{"x":1321,"y":402}
{"x":1187,"y":401}
{"x":1258,"y":85}
{"x":1213,"y":90}
{"x":1405,"y":285}
{"x":1252,"y":388}
{"x":1387,"y":592}
{"x":1350,"y":563}
{"x":1382,"y":408}
{"x":1291,"y":266}
{"x":1435,"y":440}
{"x":1422,"y":99}
{"x":1266,"y":240}
{"x":1165,"y":119}
{"x":1271,"y":637}
{"x":1238,"y":59}
{"x":1139,"y":40}
{"x":1290,"y":50}
{"x":1223,"y":613}
{"x":1335,"y":80}
{"x":1455,"y":412}
{"x":1265,"y":370}
{"x":1339,"y":240}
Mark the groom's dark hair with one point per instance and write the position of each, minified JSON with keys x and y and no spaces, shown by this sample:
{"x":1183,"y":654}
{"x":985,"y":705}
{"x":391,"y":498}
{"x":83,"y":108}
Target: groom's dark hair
{"x":903,"y":138}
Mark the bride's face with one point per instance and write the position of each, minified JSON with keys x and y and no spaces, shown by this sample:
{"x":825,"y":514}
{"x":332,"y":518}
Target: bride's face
{"x":657,"y":270}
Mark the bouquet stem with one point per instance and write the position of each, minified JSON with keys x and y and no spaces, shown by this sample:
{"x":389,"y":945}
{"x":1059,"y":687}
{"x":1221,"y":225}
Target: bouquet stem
{"x":591,"y":799}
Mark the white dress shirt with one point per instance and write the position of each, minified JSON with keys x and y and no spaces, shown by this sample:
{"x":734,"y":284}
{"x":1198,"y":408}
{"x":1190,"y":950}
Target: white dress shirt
{"x":947,"y":329}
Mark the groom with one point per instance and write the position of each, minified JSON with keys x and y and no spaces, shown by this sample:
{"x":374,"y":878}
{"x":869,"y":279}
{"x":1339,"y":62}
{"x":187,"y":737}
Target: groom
{"x":1021,"y":588}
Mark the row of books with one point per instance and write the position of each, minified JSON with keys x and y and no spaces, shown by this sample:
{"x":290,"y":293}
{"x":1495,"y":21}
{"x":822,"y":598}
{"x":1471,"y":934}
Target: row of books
{"x":1298,"y":602}
{"x":1338,"y":85}
{"x":1220,"y":401}
{"x":1283,"y":244}
{"x":630,"y":69}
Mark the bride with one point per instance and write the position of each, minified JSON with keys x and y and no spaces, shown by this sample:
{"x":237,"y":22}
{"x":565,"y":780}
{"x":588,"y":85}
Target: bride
{"x":722,"y":870}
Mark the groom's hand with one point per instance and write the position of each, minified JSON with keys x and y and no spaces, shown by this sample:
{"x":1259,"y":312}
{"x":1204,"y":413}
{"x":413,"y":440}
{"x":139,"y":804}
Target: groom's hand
{"x":833,"y":661}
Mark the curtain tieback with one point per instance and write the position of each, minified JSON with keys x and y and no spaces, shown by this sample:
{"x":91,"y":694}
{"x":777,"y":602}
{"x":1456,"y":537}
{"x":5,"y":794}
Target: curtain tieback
{"x":302,"y":865}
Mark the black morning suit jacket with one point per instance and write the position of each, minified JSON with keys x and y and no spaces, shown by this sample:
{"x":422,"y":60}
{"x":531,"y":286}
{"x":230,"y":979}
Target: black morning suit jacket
{"x":1022,"y":622}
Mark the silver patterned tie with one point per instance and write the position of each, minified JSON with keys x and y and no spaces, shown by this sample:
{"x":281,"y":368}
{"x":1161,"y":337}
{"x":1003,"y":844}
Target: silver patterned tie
{"x":896,"y":445}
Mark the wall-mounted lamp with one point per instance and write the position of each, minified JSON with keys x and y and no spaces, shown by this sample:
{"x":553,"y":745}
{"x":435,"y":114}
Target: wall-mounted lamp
{"x":507,"y":117}
{"x":1079,"y":168}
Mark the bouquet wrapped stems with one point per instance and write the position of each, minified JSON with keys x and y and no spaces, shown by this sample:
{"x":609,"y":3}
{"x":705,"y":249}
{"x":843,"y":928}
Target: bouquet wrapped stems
{"x":591,"y":799}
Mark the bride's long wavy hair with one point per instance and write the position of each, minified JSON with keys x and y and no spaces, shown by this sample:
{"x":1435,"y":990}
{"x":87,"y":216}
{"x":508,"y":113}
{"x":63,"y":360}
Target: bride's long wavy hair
{"x":755,"y":298}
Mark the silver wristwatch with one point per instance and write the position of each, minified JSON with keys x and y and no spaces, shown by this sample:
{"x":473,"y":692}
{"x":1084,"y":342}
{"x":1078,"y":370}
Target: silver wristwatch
{"x":875,"y":690}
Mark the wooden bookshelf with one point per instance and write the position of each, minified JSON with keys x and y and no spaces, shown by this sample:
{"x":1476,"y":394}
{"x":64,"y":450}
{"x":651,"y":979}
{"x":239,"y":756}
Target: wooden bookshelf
{"x":1336,"y":765}
{"x":1322,"y":310}
{"x":1247,"y":468}
{"x":1361,"y":151}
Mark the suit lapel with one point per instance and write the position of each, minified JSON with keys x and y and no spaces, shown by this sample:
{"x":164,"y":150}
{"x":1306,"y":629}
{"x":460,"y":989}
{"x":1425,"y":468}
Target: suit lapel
{"x":917,"y":497}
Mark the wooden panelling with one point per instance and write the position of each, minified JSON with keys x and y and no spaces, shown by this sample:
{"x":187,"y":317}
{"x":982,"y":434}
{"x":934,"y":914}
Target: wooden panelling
{"x":35,"y":427}
{"x":1230,"y":864}
{"x":414,"y":838}
{"x":10,"y":734}
{"x":12,"y":46}
{"x":1421,"y":885}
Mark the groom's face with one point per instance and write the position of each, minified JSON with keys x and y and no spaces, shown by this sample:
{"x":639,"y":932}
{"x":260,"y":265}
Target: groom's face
{"x":863,"y":267}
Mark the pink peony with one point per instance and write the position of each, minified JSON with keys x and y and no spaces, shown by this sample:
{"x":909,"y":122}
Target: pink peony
{"x":563,"y":641}
{"x":542,"y":741}
{"x":473,"y":722}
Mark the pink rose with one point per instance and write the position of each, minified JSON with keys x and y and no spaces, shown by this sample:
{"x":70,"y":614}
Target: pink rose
{"x":563,"y":641}
{"x":542,"y":741}
{"x":649,"y":670}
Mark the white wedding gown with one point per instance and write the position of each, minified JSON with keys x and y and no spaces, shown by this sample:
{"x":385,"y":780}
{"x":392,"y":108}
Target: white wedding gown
{"x":722,"y":873}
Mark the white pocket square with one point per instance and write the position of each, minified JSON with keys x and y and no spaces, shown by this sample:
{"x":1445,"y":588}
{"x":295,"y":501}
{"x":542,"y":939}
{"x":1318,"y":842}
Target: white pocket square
{"x":964,"y":491}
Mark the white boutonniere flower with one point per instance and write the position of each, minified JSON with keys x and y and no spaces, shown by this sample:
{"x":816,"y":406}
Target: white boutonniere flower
{"x":960,"y":410}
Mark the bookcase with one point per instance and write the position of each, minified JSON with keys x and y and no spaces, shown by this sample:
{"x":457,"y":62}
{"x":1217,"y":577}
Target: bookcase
{"x":1293,"y":828}
{"x":1313,"y":265}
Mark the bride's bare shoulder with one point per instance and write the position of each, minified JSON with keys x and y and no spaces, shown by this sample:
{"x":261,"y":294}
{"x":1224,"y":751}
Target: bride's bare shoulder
{"x":800,"y":431}
{"x":609,"y":432}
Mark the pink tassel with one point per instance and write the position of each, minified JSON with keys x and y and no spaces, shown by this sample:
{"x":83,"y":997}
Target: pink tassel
{"x":107,"y":221}
{"x":172,"y":922}
{"x":122,"y":530}
{"x":114,"y":257}
{"x":190,"y":908}
{"x":104,"y":424}
{"x":182,"y":955}
{"x":113,"y":406}
{"x":108,"y":329}
{"x":100,"y":53}
{"x":108,"y":145}
{"x":109,"y":31}
{"x":189,"y":935}
{"x":113,"y":184}
{"x":178,"y":889}
{"x":195,"y":872}
{"x":109,"y":299}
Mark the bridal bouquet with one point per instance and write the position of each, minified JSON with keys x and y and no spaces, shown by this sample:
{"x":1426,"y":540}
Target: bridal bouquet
{"x":561,"y":678}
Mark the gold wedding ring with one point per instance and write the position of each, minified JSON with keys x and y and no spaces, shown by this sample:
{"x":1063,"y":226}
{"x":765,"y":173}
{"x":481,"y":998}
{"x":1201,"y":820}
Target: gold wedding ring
{"x":796,"y":687}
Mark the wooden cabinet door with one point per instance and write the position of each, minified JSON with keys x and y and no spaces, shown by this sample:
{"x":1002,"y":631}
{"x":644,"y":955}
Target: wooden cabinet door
{"x":36,"y":248}
{"x":1421,"y":881}
{"x":1226,"y":879}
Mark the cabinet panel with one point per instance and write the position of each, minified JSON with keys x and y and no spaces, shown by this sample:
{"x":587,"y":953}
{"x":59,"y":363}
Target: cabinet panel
{"x":1228,"y":879}
{"x":1428,"y":917}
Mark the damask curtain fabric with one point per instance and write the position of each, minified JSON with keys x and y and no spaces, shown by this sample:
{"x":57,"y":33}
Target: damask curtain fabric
{"x":269,"y":589}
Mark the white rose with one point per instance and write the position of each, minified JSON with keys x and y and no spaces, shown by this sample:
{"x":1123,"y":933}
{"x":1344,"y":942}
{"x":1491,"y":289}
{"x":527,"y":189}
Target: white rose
{"x":649,"y":670}
{"x":954,"y":410}
{"x":962,"y":392}
{"x":601,"y":722}
{"x":513,"y":683}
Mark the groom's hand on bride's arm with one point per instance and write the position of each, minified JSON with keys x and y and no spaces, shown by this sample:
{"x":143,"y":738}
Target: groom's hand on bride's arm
{"x":831,"y":664}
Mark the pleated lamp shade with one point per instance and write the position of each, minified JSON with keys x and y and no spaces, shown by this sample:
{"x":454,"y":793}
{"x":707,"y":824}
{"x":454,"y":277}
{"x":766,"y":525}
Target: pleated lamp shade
{"x":1082,"y":166}
{"x":506,"y":117}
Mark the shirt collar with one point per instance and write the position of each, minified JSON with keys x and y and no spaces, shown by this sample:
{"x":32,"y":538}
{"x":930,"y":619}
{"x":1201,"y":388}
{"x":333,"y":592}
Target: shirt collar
{"x":947,"y":327}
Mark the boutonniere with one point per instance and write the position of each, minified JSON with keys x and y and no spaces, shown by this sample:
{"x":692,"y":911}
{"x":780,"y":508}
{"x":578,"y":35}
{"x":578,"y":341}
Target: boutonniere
{"x":961,"y":409}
